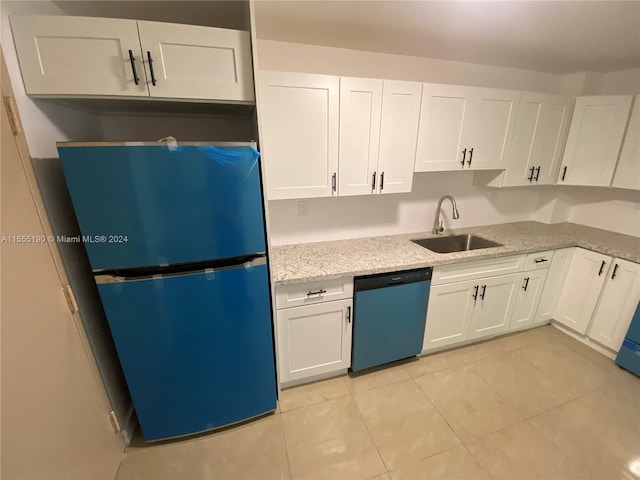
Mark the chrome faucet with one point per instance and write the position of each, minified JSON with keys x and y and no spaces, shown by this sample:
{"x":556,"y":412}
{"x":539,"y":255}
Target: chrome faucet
{"x":437,"y":223}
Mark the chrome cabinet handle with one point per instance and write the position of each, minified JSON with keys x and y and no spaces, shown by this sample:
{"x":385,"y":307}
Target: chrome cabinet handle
{"x":464,"y":156}
{"x":564,"y":173}
{"x":537,"y":174}
{"x":475,"y":294}
{"x":526,"y":284}
{"x":334,"y":181}
{"x":381,"y":181}
{"x":470,"y":156}
{"x":132,"y":59}
{"x":615,"y":271}
{"x":484,"y":289}
{"x":317,"y":292}
{"x":373,"y":181}
{"x":530,"y":177}
{"x":540,"y":260}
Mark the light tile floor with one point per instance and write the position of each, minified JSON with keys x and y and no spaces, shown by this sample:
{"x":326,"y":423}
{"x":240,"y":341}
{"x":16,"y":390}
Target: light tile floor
{"x":534,"y":405}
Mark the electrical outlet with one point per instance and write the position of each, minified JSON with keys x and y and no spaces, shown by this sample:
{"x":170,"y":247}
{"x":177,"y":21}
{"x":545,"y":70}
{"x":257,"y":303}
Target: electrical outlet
{"x":303,"y":208}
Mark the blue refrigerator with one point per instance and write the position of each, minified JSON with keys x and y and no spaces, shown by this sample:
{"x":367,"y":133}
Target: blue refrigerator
{"x":629,"y":354}
{"x":176,"y":240}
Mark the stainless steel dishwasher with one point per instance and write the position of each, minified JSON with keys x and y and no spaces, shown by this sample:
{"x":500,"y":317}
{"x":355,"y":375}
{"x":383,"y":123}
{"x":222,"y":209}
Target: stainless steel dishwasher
{"x":389,"y":315}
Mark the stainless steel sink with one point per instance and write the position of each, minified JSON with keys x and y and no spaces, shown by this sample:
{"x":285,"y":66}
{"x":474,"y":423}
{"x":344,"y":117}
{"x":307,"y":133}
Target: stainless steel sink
{"x":455,"y":243}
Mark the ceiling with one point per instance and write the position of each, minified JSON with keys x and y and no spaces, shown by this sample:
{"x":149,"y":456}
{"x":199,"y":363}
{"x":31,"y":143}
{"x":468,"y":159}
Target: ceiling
{"x":559,"y":37}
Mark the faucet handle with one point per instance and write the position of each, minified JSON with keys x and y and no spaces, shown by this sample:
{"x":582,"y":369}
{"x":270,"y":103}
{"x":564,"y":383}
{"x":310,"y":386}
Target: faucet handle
{"x":440,"y":226}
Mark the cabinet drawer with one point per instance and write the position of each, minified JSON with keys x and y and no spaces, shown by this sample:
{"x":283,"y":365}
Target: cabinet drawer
{"x":313,"y":292}
{"x":482,"y":268}
{"x":538,"y":260}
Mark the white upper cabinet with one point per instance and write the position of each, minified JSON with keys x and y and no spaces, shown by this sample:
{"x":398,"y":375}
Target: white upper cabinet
{"x":541,"y":128}
{"x":465,"y":127}
{"x":628,"y":170}
{"x":79,"y":56}
{"x":442,"y":116}
{"x":398,"y":135}
{"x":489,"y":131}
{"x":594,"y":140}
{"x":299,"y":134}
{"x":617,"y":304}
{"x":187,"y":61}
{"x":360,"y":112}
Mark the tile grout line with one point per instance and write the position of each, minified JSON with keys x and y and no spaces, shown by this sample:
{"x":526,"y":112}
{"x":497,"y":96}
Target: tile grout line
{"x":557,"y":447}
{"x":286,"y":447}
{"x":366,"y":426}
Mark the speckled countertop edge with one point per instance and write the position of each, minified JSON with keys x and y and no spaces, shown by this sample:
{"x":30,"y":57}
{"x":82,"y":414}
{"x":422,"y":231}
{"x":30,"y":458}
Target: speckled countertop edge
{"x":308,"y":262}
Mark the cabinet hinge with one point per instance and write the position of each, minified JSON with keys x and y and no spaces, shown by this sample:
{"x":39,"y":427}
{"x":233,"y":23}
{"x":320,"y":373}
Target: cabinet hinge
{"x":12,"y":113}
{"x":71,"y":298}
{"x":113,"y":420}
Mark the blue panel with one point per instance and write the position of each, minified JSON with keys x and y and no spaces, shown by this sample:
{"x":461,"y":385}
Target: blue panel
{"x":196,"y":350}
{"x":634,"y":329}
{"x":190,"y":204}
{"x":389,"y":324}
{"x":629,"y":357}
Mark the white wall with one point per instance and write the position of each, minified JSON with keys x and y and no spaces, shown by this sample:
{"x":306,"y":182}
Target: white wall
{"x":295,"y":57}
{"x":337,"y":218}
{"x":372,"y":215}
{"x":611,"y":209}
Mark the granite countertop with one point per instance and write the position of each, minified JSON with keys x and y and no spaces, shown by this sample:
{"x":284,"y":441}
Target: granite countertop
{"x":309,"y":262}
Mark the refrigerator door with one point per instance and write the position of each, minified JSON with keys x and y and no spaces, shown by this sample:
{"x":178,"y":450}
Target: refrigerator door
{"x":146,"y":205}
{"x":633,"y":333}
{"x":196,"y":349}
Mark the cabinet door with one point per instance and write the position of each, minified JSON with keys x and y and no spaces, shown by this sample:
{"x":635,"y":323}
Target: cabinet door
{"x":540,"y":131}
{"x":299,"y":134}
{"x":529,"y":293}
{"x":197,"y":62}
{"x":582,"y":286}
{"x":553,"y":285}
{"x":490,"y":128}
{"x":594,"y":140}
{"x":314,"y":339}
{"x":448,"y":314}
{"x":617,"y":305}
{"x":79,"y":56}
{"x":628,"y":170}
{"x":494,"y":306}
{"x":444,"y":110}
{"x":398,"y":135}
{"x":360,"y":110}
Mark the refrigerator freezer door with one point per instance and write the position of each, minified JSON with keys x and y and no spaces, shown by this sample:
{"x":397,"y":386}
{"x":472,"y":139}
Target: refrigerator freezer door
{"x":153,"y":205}
{"x":196,"y":349}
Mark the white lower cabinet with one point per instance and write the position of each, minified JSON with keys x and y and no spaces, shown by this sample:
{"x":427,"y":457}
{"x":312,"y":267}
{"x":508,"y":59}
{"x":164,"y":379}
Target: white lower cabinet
{"x":494,"y":305}
{"x":479,"y":307}
{"x":583,"y":283}
{"x":617,"y":304}
{"x":449,"y":314}
{"x":313,"y":328}
{"x":528,"y":299}
{"x":553,"y":285}
{"x":598,"y":297}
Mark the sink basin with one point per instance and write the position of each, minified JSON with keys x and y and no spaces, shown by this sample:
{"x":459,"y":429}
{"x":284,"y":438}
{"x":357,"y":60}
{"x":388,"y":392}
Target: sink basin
{"x":455,"y":243}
